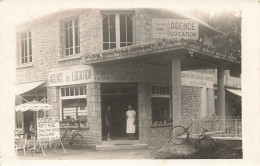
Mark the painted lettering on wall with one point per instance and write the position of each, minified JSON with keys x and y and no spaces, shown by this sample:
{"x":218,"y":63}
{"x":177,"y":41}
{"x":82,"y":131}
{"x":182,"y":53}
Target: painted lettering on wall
{"x":70,"y":76}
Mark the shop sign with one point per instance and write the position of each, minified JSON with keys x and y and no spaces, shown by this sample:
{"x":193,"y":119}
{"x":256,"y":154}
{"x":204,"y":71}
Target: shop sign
{"x":197,"y":79}
{"x":175,"y":28}
{"x":127,"y":72}
{"x":48,"y":128}
{"x":70,"y":76}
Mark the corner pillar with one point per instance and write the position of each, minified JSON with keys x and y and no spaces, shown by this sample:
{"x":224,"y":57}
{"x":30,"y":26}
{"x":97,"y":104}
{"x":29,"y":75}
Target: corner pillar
{"x":176,"y":91}
{"x":221,"y":97}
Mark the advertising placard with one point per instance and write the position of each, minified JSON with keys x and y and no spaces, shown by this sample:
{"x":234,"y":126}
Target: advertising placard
{"x":175,"y":28}
{"x":48,"y":128}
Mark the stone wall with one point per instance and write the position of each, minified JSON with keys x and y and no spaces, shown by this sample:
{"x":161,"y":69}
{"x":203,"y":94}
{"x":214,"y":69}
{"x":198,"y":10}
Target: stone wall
{"x":155,"y":136}
{"x":53,"y":99}
{"x":94,"y":134}
{"x":144,"y":111}
{"x":191,"y":103}
{"x":47,"y":43}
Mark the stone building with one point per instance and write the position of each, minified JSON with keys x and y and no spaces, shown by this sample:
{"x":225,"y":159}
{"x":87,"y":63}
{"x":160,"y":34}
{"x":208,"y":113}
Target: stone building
{"x":161,"y":62}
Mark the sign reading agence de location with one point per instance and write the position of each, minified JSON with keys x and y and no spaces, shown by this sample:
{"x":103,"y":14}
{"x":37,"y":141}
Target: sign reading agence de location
{"x":48,"y":128}
{"x":77,"y":75}
{"x":175,"y":28}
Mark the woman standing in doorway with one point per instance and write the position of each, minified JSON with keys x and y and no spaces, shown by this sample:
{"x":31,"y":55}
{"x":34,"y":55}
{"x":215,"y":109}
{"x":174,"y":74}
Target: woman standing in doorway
{"x":130,"y":122}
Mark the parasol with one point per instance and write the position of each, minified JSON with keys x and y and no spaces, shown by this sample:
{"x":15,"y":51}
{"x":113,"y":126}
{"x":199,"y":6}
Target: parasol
{"x":34,"y":106}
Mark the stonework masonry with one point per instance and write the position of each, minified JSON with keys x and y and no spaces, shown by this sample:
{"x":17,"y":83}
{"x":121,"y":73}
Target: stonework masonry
{"x":159,"y":135}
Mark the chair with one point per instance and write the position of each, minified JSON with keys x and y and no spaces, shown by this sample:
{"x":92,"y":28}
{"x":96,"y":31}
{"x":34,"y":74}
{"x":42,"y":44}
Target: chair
{"x":20,"y":143}
{"x":30,"y":140}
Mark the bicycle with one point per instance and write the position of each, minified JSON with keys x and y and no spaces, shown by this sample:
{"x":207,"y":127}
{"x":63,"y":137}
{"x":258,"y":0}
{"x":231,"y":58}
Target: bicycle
{"x":179,"y":135}
{"x":76,"y":140}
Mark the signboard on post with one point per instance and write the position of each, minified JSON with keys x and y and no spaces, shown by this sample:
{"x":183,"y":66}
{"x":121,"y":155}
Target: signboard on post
{"x":197,"y":79}
{"x":175,"y":28}
{"x":48,"y":128}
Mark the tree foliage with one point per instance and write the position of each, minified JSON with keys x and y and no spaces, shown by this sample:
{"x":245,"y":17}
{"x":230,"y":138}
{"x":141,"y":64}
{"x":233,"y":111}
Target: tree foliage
{"x":230,"y":24}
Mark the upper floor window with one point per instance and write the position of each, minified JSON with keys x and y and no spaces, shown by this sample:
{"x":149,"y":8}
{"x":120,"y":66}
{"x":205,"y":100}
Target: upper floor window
{"x":71,"y":37}
{"x":26,"y":47}
{"x":117,"y":30}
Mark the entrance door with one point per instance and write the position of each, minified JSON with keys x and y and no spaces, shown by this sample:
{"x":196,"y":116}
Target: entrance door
{"x":119,"y":101}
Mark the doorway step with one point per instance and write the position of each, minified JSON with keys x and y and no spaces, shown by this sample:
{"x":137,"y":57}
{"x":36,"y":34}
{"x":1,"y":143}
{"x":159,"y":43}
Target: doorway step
{"x":121,"y":144}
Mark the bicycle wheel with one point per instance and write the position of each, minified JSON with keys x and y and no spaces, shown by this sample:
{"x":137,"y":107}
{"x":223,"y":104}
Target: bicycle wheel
{"x":77,"y":141}
{"x":178,"y":135}
{"x":206,"y":142}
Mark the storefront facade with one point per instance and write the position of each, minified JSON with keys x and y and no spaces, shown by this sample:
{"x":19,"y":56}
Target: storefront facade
{"x":87,"y":59}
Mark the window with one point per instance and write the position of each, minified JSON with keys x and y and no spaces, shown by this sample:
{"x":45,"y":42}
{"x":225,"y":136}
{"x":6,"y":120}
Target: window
{"x":74,"y":109}
{"x":117,"y":30}
{"x":71,"y":37}
{"x":73,"y":91}
{"x":161,"y":104}
{"x":74,"y":102}
{"x":26,"y":47}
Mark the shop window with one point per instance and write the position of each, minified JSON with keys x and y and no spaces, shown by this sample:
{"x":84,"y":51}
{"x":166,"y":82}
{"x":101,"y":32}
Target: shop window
{"x":74,"y":109}
{"x":161,"y":104}
{"x":71,"y":37}
{"x":26,"y":47}
{"x":74,"y":103}
{"x":117,"y":30}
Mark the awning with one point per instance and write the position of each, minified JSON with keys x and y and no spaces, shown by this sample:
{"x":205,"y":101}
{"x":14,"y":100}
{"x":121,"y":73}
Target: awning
{"x":34,"y":106}
{"x":235,"y":91}
{"x":22,"y":88}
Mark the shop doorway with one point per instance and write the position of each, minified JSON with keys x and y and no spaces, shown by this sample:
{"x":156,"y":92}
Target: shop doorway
{"x":118,"y":96}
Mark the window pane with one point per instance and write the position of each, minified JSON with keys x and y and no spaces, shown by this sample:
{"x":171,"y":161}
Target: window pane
{"x":153,"y":89}
{"x":30,"y":46}
{"x":157,"y":90}
{"x":70,"y":24}
{"x":67,"y":91}
{"x":70,"y":38}
{"x":122,"y":28}
{"x":62,"y":92}
{"x":72,"y":91}
{"x":129,"y":44}
{"x":129,"y":29}
{"x":23,"y":48}
{"x":122,"y":44}
{"x":105,"y":46}
{"x":105,"y":29}
{"x":112,"y":25}
{"x":77,"y":50}
{"x":66,"y":24}
{"x":76,"y":91}
{"x":76,"y":36}
{"x":84,"y":90}
{"x":112,"y":45}
{"x":67,"y":52}
{"x":67,"y":38}
{"x":81,"y":90}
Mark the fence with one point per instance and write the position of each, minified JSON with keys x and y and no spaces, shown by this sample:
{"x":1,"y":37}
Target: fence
{"x":233,"y":126}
